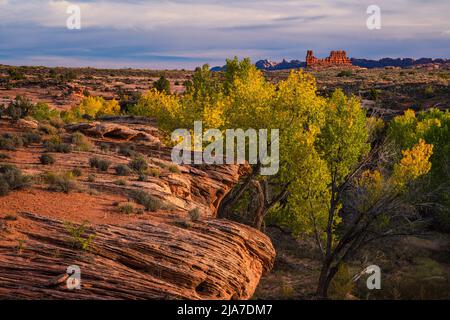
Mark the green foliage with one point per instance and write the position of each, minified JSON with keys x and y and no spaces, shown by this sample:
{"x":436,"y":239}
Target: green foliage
{"x":19,"y":108}
{"x":126,"y":208}
{"x":79,"y":237}
{"x":162,"y":85}
{"x":11,"y":178}
{"x":55,"y":145}
{"x":46,"y":159}
{"x":194,"y":214}
{"x":100,"y":164}
{"x":138,"y":164}
{"x":345,"y":73}
{"x":41,"y":112}
{"x":149,"y":202}
{"x":11,"y":141}
{"x":81,"y":142}
{"x":60,"y":182}
{"x":122,"y":170}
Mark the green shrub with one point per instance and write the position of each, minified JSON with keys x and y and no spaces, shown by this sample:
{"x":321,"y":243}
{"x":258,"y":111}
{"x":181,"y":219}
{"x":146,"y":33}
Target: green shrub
{"x":19,"y":108}
{"x":194,"y":214}
{"x":162,"y":85}
{"x":10,"y":142}
{"x":100,"y":164}
{"x":120,"y":182}
{"x":41,"y":112}
{"x":79,"y":238}
{"x":76,"y":172}
{"x":138,"y":164}
{"x":127,"y":151}
{"x":4,"y":156}
{"x":31,"y":137}
{"x":142,"y":177}
{"x":62,"y":182}
{"x":81,"y":142}
{"x":58,"y":147}
{"x":11,"y":178}
{"x":122,"y":170}
{"x":149,"y":202}
{"x":126,"y":208}
{"x":154,"y":172}
{"x":345,"y":73}
{"x":174,"y":168}
{"x":91,"y":178}
{"x":46,"y":159}
{"x":47,"y":129}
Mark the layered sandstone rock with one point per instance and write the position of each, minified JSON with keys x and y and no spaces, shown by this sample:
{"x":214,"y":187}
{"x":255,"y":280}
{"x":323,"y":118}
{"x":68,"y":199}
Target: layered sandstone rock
{"x":336,"y":59}
{"x":150,"y":255}
{"x":212,"y":259}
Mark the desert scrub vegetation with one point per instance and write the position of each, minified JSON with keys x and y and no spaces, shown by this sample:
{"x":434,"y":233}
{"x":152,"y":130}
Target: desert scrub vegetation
{"x":11,"y":141}
{"x":138,"y":164}
{"x":21,"y":107}
{"x":150,"y":203}
{"x":91,"y":108}
{"x":60,"y":182}
{"x":126,"y":208}
{"x":46,"y":159}
{"x":122,"y":170}
{"x":100,"y":164}
{"x":194,"y":214}
{"x":11,"y":178}
{"x":81,"y":142}
{"x":55,"y":144}
{"x":79,"y":236}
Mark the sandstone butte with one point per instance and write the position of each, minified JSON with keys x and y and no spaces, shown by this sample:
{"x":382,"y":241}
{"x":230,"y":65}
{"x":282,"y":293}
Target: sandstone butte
{"x":335,"y":59}
{"x":153,"y":255}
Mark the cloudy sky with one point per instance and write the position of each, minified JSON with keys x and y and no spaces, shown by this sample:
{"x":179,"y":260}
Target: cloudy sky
{"x":187,"y":33}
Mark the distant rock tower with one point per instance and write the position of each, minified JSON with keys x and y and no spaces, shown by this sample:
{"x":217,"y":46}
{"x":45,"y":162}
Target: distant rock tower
{"x":336,"y":59}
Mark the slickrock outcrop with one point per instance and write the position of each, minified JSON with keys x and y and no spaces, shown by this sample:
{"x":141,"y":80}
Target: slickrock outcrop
{"x":163,"y":253}
{"x":336,"y":59}
{"x":212,"y":259}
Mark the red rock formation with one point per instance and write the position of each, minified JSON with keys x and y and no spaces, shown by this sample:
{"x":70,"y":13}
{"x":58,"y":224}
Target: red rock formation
{"x":336,"y":59}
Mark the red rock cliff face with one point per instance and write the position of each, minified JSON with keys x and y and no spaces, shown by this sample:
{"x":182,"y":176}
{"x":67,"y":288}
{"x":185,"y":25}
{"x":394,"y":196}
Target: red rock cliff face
{"x":336,"y":59}
{"x":160,"y":254}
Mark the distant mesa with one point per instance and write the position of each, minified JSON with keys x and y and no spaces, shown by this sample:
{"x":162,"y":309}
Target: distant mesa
{"x":339,"y":59}
{"x":336,"y":59}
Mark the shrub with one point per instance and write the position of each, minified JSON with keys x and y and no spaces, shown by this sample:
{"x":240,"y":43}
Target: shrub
{"x":126,"y":208}
{"x":127,"y":151}
{"x":174,"y":168}
{"x":80,"y":239}
{"x":122,"y":170}
{"x":149,"y":202}
{"x":91,"y":178}
{"x":345,"y":73}
{"x":19,"y":108}
{"x":10,"y":142}
{"x":11,"y":178}
{"x":47,"y":129}
{"x":76,"y":172}
{"x":142,"y":177}
{"x":100,"y":164}
{"x":41,"y":112}
{"x":81,"y":142}
{"x":31,"y":137}
{"x":154,"y":172}
{"x":162,"y":85}
{"x":194,"y":214}
{"x":4,"y":156}
{"x":120,"y":182}
{"x":62,"y":182}
{"x":46,"y":159}
{"x":57,"y":147}
{"x":139,"y":164}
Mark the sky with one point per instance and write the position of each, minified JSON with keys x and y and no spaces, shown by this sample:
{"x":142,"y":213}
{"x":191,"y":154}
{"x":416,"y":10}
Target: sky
{"x":175,"y":34}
